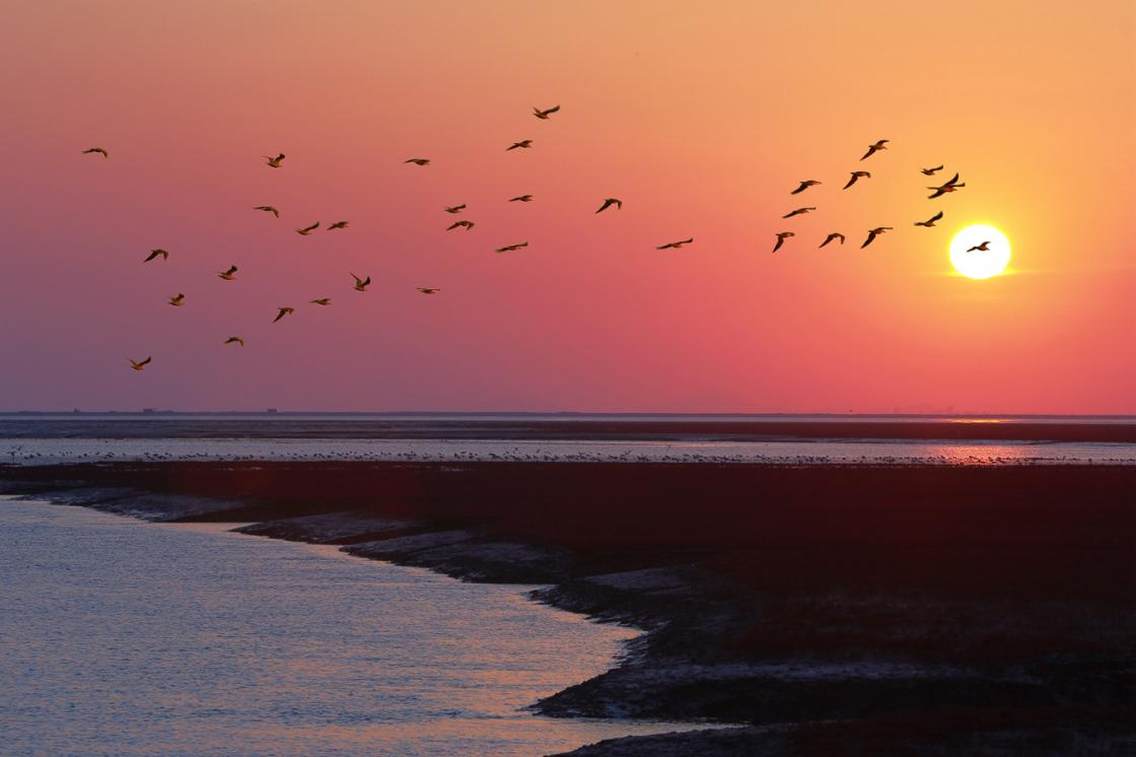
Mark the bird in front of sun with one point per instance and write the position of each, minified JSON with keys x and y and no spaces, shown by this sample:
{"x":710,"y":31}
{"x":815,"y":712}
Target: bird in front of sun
{"x":544,"y":114}
{"x":983,"y":246}
{"x":993,"y":245}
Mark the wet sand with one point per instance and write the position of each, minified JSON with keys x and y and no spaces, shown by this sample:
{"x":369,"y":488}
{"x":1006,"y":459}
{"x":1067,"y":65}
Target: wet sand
{"x":903,"y":607}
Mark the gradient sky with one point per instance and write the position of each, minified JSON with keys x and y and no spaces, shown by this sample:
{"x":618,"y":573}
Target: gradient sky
{"x":701,"y":117}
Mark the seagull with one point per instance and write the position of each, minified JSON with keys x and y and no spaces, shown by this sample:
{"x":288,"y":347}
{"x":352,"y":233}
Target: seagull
{"x":984,"y":247}
{"x":308,"y":229}
{"x":930,"y":222}
{"x":338,"y":225}
{"x":268,"y":209}
{"x":159,"y":252}
{"x":608,"y":202}
{"x":235,"y":340}
{"x":228,"y":275}
{"x":361,"y":284}
{"x":805,"y":185}
{"x":418,"y":161}
{"x":429,"y":290}
{"x":177,"y":300}
{"x":521,"y":198}
{"x":950,"y":186}
{"x":324,"y":301}
{"x":781,"y":237}
{"x":273,"y":162}
{"x":281,"y":312}
{"x":878,"y":145}
{"x":467,"y":225}
{"x":832,"y":236}
{"x":512,"y":247}
{"x":455,"y":208}
{"x":873,"y":233}
{"x":930,"y":171}
{"x":102,"y":152}
{"x":524,"y":144}
{"x":797,"y":212}
{"x":675,"y":245}
{"x":139,"y":364}
{"x":855,"y":176}
{"x":544,"y":114}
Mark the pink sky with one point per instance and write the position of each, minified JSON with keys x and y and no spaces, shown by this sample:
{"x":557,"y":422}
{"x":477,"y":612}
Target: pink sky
{"x":701,"y":119}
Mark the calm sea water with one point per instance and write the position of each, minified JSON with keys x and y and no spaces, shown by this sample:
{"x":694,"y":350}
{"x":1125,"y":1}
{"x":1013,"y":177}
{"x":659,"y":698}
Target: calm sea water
{"x":124,"y":637}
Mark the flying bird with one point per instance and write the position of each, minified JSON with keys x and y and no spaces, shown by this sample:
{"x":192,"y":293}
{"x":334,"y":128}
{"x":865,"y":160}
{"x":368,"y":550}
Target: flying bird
{"x":781,"y":237}
{"x":361,"y":284}
{"x":675,"y":245}
{"x":607,"y":203}
{"x":308,"y":229}
{"x":228,"y":275}
{"x":281,"y":312}
{"x":521,"y":198}
{"x":467,"y":225}
{"x":338,"y":225}
{"x":512,"y":247}
{"x":102,"y":152}
{"x":832,"y":236}
{"x":273,"y":162}
{"x":268,"y":209}
{"x":856,"y":175}
{"x":429,"y":290}
{"x":930,"y":222}
{"x":158,"y":253}
{"x":455,"y":208}
{"x":418,"y":161}
{"x":235,"y":340}
{"x":797,"y":212}
{"x":951,"y":186}
{"x":139,"y":364}
{"x":873,"y":233}
{"x":324,"y":301}
{"x":544,"y":114}
{"x":804,"y":185}
{"x":524,"y":144}
{"x":878,"y":145}
{"x":984,"y":247}
{"x":930,"y":171}
{"x":177,"y":300}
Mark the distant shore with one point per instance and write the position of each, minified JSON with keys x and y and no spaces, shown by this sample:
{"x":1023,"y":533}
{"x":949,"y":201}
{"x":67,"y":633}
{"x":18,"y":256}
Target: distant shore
{"x":905,"y":607}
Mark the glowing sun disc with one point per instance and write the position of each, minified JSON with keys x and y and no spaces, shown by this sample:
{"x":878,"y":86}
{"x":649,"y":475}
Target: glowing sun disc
{"x":980,"y":264}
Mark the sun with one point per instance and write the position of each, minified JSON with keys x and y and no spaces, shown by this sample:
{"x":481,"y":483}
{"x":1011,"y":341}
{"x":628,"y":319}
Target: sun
{"x":980,"y":251}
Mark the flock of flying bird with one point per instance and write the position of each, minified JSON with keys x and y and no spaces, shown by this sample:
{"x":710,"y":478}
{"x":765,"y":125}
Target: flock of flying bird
{"x":361,"y":283}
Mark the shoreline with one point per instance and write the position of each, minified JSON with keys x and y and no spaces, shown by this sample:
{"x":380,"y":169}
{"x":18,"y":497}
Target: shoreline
{"x":815,"y":601}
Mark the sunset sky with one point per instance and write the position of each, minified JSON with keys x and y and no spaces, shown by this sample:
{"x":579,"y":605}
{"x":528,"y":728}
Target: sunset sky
{"x":700,"y":116}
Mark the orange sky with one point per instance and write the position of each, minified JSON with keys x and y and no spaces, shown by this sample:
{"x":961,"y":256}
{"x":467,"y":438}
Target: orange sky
{"x":701,"y":119}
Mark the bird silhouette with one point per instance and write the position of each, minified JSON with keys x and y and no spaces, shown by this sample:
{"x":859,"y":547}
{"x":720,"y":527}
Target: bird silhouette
{"x":544,"y":114}
{"x":930,"y":222}
{"x":281,"y":312}
{"x":930,"y":171}
{"x":873,"y":233}
{"x":323,"y":301}
{"x":418,"y":161}
{"x":512,"y":247}
{"x":675,"y":245}
{"x":832,"y":236}
{"x":804,"y":185}
{"x":856,"y":176}
{"x":521,"y":198}
{"x":268,"y":209}
{"x":608,"y":202}
{"x":467,"y":225}
{"x":102,"y":152}
{"x":983,"y":247}
{"x":429,"y":290}
{"x":273,"y":162}
{"x":524,"y":144}
{"x":781,"y":237}
{"x":308,"y":229}
{"x":177,"y":300}
{"x":139,"y":365}
{"x":361,"y":284}
{"x":880,"y":144}
{"x":797,"y":212}
{"x":157,"y":253}
{"x":455,"y":208}
{"x":951,"y":186}
{"x":337,"y":225}
{"x":228,"y":275}
{"x":235,"y":340}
